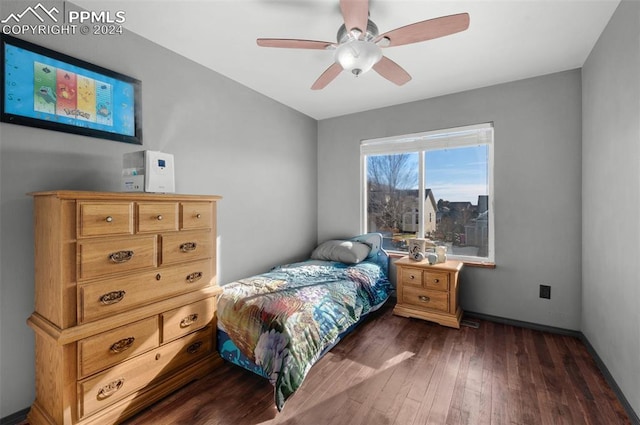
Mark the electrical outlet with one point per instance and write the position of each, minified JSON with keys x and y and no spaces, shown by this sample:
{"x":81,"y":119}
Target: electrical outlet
{"x":545,"y":291}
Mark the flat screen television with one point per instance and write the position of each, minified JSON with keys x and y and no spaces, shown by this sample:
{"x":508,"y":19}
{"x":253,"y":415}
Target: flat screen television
{"x":46,"y":89}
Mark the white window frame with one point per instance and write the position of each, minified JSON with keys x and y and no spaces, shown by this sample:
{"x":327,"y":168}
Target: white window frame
{"x":471,"y":135}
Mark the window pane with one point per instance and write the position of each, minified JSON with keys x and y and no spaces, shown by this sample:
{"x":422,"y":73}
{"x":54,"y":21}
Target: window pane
{"x":392,"y":198}
{"x":458,"y":179}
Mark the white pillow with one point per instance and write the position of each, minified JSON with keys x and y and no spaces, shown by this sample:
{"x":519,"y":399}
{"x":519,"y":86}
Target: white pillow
{"x":349,"y":252}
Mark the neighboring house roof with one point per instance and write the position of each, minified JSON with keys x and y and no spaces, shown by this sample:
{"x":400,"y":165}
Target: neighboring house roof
{"x":428,"y":193}
{"x":460,"y":205}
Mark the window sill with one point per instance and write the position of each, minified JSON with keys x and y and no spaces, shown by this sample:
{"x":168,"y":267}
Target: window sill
{"x":478,"y":264}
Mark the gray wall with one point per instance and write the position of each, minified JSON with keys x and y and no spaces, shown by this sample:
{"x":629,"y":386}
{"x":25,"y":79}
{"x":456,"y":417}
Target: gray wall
{"x":537,"y":188}
{"x":611,"y":199}
{"x":227,"y":140}
{"x":262,"y":157}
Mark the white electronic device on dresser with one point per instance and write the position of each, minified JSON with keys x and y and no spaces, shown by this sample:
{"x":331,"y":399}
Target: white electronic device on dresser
{"x":148,"y":171}
{"x":125,"y":301}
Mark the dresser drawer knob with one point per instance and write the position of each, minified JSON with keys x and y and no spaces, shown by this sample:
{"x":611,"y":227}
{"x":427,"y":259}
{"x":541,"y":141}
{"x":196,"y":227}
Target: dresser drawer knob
{"x":110,"y":389}
{"x":436,"y":280}
{"x":188,"y":246}
{"x":198,"y":215}
{"x":424,"y":298}
{"x":412,"y":277}
{"x":109,"y":219}
{"x":159,"y":217}
{"x":194,"y":277}
{"x":112,"y":297}
{"x":158,"y":276}
{"x":119,"y":257}
{"x":194,"y":348}
{"x":122,"y":345}
{"x":189,"y":320}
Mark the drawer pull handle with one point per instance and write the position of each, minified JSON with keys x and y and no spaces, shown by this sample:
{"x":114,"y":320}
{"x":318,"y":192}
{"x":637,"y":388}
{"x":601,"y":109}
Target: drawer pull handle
{"x":188,"y":246}
{"x":194,"y":277}
{"x":122,"y":345}
{"x":112,"y":297}
{"x":109,"y":219}
{"x":158,"y":276}
{"x":436,"y":280}
{"x":189,"y":320}
{"x":198,"y":215}
{"x":194,"y":348}
{"x":119,"y":257}
{"x":159,"y":217}
{"x":412,"y":277}
{"x":424,"y":298}
{"x":110,"y":389}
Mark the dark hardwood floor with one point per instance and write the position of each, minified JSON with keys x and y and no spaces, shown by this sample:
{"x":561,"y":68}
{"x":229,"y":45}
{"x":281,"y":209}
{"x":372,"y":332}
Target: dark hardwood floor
{"x":393,"y":370}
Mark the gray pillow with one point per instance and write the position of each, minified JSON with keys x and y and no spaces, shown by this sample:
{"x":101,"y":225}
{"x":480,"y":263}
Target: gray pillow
{"x":349,"y":252}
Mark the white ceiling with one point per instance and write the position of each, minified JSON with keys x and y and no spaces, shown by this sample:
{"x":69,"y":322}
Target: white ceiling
{"x":507,"y":40}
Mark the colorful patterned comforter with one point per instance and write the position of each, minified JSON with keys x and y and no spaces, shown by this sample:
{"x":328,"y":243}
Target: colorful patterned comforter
{"x":284,"y":319}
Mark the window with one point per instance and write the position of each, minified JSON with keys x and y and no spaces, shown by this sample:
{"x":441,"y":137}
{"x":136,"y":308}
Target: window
{"x":447,"y":174}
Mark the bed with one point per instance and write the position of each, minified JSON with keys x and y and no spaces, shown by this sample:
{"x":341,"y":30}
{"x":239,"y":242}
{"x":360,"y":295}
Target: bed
{"x":278,"y":324}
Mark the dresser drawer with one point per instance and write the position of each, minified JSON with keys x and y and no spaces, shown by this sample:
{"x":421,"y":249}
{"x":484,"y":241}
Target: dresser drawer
{"x":157,"y":217}
{"x":185,"y":246}
{"x":411,"y":277}
{"x":424,"y":298}
{"x":188,"y":318}
{"x":105,"y":218}
{"x":114,"y":384}
{"x":190,"y":348}
{"x":108,"y":348}
{"x":107,"y":297}
{"x":111,"y":256}
{"x":435,"y":280}
{"x":196,"y":215}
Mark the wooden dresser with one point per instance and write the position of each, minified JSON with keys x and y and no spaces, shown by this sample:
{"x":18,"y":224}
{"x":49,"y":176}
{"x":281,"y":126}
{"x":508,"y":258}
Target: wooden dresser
{"x":429,"y":292}
{"x":125,"y":301}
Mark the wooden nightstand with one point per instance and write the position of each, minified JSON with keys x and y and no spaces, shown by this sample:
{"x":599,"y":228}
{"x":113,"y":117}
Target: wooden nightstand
{"x":429,"y":292}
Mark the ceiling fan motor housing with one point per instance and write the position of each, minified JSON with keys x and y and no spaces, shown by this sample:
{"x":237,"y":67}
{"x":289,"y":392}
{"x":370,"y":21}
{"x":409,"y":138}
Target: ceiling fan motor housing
{"x":370,"y":34}
{"x":357,"y":52}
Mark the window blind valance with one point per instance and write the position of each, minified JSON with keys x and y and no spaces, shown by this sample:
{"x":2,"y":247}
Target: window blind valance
{"x":437,"y":139}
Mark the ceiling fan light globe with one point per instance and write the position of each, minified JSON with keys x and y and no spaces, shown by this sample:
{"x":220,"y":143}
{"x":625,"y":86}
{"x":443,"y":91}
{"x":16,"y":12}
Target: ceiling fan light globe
{"x":358,"y":56}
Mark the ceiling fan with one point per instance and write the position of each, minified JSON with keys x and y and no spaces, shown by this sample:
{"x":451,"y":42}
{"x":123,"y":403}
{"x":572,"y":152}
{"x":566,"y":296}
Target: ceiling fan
{"x":359,"y":47}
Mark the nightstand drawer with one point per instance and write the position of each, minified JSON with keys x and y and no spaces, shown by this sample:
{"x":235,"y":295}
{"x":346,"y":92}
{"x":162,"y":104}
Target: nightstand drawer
{"x":424,"y":298}
{"x":411,"y":277}
{"x":435,"y":280}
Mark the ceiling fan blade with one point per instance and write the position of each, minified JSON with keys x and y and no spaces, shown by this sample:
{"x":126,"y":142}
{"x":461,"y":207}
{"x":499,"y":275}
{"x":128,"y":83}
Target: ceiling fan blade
{"x":327,"y":76}
{"x":426,"y":30}
{"x":355,"y":14}
{"x":392,"y":71}
{"x":294,"y":43}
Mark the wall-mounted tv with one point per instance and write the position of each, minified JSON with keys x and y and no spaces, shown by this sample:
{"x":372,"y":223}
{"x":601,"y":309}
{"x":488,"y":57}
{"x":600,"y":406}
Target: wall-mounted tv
{"x":46,"y":89}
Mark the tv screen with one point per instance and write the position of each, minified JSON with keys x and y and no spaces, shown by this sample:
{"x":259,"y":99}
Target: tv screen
{"x":46,"y":89}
